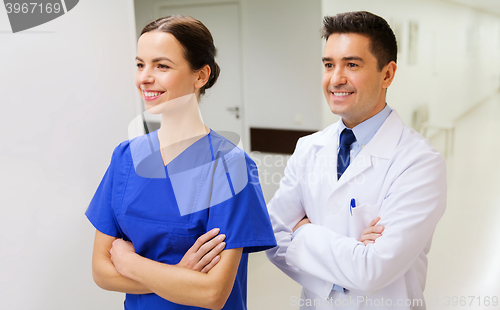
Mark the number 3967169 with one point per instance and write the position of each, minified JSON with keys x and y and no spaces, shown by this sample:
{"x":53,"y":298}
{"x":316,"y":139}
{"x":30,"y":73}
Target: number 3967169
{"x":471,"y":301}
{"x":30,"y":8}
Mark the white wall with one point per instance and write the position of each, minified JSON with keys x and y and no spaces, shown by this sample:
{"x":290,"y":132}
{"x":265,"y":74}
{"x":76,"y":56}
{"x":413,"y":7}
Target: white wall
{"x":281,"y":73}
{"x":282,"y":63}
{"x":457,"y":63}
{"x":67,"y":97}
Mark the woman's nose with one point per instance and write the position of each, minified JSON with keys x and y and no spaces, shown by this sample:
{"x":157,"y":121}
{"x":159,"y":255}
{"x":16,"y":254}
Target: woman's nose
{"x":146,"y":77}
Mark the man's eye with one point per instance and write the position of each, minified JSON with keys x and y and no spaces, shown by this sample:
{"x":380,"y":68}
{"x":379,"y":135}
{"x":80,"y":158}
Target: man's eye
{"x":140,"y":66}
{"x":328,"y":65}
{"x":351,"y":65}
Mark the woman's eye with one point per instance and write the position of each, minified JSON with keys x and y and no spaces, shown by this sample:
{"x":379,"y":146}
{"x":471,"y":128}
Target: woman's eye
{"x":163,"y":66}
{"x":140,"y":66}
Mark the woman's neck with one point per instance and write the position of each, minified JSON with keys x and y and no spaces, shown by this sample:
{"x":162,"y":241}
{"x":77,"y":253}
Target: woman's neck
{"x":181,"y":126}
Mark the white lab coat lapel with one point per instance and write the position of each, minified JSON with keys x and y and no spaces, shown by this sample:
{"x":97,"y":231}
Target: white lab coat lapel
{"x":387,"y":137}
{"x":326,"y":155}
{"x":362,"y":162}
{"x":381,"y":146}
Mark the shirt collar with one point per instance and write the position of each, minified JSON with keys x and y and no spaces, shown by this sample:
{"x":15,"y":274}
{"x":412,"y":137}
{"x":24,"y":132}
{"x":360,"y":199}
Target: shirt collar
{"x":365,"y":131}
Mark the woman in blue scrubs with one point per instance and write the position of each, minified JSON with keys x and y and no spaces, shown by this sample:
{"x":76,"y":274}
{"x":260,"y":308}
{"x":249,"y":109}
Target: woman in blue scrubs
{"x":166,"y":194}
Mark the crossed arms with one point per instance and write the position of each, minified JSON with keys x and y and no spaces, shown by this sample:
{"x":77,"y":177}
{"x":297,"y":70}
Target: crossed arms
{"x":204,"y":277}
{"x":318,"y":257}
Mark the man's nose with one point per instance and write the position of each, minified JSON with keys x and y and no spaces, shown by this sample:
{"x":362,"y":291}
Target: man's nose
{"x":338,"y":77}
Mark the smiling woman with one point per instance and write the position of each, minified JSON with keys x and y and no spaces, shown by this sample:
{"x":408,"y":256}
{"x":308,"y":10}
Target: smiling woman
{"x":197,"y":44}
{"x":166,"y":195}
{"x":161,"y":79}
{"x":187,"y":62}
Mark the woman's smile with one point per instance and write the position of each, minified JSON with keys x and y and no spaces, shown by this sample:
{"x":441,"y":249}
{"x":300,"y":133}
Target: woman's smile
{"x":151,"y":94}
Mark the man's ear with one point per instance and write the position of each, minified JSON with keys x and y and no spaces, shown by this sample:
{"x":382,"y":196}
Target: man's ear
{"x":202,"y":76}
{"x":389,"y":73}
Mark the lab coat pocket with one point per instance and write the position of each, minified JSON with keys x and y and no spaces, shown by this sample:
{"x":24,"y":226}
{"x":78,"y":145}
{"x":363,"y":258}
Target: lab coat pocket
{"x":360,"y":218}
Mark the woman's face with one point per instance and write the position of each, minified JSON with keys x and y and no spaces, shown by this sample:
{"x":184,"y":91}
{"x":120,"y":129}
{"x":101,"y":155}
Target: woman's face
{"x":163,"y":74}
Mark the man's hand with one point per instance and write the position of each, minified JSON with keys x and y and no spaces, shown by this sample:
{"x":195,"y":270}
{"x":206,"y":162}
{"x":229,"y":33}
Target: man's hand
{"x":303,"y":221}
{"x":372,"y":232}
{"x":204,"y":254}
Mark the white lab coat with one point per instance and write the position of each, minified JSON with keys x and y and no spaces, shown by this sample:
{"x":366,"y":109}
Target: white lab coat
{"x":397,"y":176}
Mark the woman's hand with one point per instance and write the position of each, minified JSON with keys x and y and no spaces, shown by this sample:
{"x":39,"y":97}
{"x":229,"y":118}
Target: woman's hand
{"x":121,"y":251}
{"x":372,"y":232}
{"x":204,"y":254}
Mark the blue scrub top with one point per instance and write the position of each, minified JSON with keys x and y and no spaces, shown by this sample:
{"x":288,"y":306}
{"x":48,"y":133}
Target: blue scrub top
{"x":162,"y":210}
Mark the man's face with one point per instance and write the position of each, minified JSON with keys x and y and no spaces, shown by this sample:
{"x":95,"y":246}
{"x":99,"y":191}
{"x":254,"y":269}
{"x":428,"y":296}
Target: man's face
{"x":353,"y":85}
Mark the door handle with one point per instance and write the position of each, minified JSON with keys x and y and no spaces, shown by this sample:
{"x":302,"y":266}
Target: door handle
{"x":235,"y":111}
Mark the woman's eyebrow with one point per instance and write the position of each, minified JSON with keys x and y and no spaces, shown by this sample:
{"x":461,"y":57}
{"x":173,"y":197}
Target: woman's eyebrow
{"x":156,"y":59}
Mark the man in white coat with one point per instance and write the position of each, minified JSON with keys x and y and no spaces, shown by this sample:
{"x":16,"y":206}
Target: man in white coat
{"x":367,"y":168}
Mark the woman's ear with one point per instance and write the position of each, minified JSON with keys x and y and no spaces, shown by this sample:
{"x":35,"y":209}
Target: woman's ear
{"x":202,"y":77}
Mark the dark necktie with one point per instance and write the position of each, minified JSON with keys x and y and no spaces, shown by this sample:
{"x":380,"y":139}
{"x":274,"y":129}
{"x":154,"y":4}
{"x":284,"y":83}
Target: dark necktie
{"x":346,"y":139}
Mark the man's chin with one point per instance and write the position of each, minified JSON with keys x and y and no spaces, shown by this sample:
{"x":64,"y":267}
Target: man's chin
{"x":338,"y":109}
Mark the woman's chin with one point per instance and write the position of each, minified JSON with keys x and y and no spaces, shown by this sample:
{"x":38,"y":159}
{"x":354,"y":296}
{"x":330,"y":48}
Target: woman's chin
{"x":152,"y":108}
{"x":172,"y":104}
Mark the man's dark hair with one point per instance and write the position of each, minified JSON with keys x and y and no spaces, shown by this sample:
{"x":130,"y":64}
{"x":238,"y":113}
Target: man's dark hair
{"x":382,"y":39}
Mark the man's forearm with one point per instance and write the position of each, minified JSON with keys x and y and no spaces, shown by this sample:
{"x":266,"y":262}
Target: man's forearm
{"x":277,"y":256}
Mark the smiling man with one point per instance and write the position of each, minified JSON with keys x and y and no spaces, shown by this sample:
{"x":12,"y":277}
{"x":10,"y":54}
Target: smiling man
{"x":364,"y":175}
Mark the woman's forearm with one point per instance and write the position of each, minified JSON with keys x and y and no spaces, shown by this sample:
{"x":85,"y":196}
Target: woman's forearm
{"x":104,"y":272}
{"x":106,"y":277}
{"x":184,"y":286}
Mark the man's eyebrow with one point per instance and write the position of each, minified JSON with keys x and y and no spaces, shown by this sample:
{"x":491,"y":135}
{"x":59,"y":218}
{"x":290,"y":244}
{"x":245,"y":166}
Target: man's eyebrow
{"x":157,"y":59}
{"x":349,"y":58}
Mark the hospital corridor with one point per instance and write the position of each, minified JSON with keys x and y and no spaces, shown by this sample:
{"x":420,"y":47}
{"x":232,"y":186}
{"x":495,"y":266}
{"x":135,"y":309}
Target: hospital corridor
{"x":74,"y":88}
{"x":471,"y":218}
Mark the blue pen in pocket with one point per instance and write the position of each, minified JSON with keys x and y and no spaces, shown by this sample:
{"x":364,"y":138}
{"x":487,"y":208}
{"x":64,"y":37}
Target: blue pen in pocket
{"x":353,"y":205}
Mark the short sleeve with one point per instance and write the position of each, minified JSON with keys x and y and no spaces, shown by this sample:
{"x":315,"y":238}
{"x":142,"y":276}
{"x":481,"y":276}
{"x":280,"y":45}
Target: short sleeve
{"x":243,"y":218}
{"x":100,"y":211}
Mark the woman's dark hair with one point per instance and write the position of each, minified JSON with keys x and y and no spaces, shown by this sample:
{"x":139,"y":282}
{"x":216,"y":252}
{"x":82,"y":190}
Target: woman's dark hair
{"x":382,"y":39}
{"x":195,"y":38}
